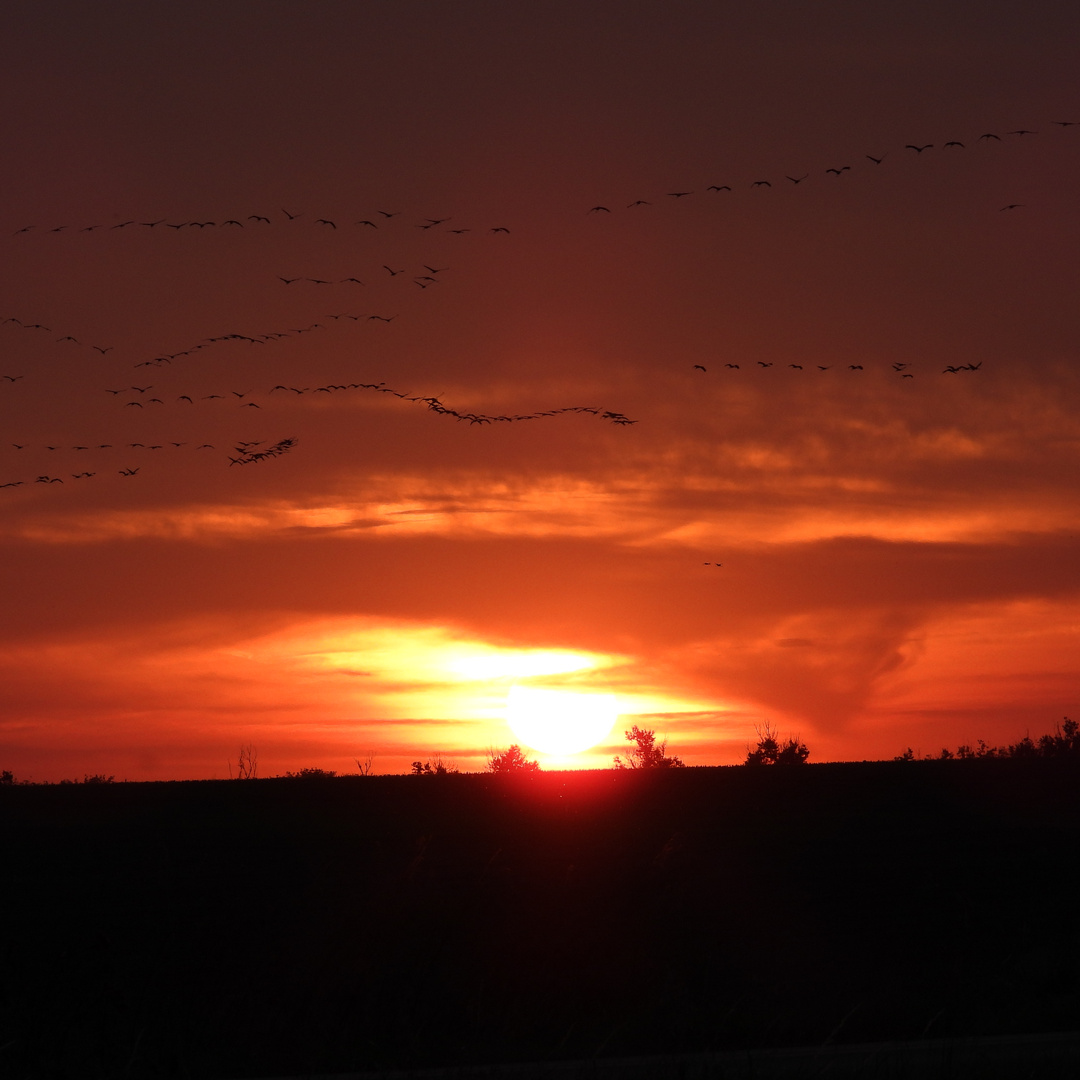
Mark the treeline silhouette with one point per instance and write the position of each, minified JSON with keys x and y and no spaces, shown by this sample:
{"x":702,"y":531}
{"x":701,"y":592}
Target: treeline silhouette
{"x":648,"y":753}
{"x":1064,"y":741}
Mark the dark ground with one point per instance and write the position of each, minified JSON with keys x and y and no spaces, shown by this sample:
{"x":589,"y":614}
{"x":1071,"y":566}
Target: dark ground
{"x":277,"y":927}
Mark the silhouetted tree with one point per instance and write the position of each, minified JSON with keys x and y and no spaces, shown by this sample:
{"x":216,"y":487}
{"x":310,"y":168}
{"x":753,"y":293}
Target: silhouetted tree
{"x":7,"y":777}
{"x":646,"y":753}
{"x":1065,"y":742}
{"x":514,"y":760}
{"x":247,"y":764}
{"x":365,"y":765}
{"x":770,"y":751}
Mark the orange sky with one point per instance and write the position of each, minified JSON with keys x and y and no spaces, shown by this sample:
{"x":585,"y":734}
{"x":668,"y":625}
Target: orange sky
{"x":899,"y":555}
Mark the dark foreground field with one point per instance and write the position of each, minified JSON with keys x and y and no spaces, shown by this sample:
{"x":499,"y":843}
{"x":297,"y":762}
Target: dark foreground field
{"x":276,"y":927}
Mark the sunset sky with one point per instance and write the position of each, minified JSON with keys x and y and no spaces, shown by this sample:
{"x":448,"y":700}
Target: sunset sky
{"x":899,"y":542}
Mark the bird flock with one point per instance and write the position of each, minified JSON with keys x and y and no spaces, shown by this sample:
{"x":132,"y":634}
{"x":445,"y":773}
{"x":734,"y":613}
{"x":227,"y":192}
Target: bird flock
{"x":876,"y":161}
{"x":895,"y":368}
{"x":258,"y":221}
{"x":420,"y":276}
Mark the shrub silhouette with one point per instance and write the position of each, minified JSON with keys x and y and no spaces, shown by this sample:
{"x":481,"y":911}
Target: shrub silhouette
{"x":514,"y":760}
{"x":770,"y":751}
{"x":310,"y":773}
{"x":7,"y":777}
{"x":646,"y":753}
{"x":433,"y":767}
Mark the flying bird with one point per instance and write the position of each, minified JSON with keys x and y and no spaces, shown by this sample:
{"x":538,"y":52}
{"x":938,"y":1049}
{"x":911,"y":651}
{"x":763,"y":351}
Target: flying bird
{"x":1013,"y":206}
{"x":919,"y":149}
{"x":700,"y":368}
{"x":837,"y":172}
{"x":718,"y":187}
{"x":876,"y":160}
{"x":598,"y":209}
{"x":761,"y":183}
{"x":798,"y":179}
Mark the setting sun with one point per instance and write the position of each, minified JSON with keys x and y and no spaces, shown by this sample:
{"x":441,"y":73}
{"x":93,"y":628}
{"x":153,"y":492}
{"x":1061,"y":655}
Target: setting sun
{"x":559,"y":721}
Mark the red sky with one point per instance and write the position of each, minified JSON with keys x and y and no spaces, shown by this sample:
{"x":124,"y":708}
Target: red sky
{"x":899,"y":555}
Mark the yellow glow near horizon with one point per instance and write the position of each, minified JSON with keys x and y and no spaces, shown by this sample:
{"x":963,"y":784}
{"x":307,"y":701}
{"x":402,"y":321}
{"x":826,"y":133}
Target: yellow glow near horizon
{"x":518,"y":663}
{"x":559,"y":721}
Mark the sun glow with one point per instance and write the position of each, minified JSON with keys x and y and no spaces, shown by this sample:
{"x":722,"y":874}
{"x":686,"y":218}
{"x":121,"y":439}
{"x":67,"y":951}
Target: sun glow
{"x":518,"y":663}
{"x":559,"y":722}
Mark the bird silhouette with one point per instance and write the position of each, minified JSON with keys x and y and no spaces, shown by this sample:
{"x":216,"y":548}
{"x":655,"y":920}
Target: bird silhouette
{"x":919,"y":149}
